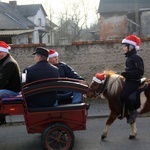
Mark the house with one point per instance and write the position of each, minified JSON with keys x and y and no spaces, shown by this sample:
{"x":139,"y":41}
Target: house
{"x":25,"y":24}
{"x":68,"y":32}
{"x":119,"y":18}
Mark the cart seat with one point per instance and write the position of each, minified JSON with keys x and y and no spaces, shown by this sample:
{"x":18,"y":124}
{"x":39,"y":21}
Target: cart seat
{"x":12,"y":100}
{"x":61,"y":107}
{"x":12,"y":106}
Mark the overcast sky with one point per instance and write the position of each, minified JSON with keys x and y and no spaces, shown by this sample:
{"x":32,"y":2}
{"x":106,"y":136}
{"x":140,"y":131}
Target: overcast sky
{"x":57,"y":6}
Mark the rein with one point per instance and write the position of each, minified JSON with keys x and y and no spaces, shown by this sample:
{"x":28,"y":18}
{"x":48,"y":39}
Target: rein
{"x":96,"y":93}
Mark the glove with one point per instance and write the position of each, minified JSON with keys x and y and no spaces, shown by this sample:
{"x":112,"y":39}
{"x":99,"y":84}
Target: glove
{"x":124,"y":74}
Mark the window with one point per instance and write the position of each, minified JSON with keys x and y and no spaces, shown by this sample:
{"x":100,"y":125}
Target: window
{"x":39,"y":22}
{"x":48,"y":38}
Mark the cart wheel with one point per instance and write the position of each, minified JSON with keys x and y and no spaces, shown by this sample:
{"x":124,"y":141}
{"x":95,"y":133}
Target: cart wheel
{"x":57,"y":136}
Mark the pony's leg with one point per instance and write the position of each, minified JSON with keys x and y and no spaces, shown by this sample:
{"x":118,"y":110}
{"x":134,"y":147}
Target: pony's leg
{"x":110,"y":120}
{"x":105,"y":132}
{"x":134,"y":131}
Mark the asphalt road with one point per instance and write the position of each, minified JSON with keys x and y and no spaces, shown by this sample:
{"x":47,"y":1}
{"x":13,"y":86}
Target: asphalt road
{"x":118,"y":136}
{"x":15,"y":136}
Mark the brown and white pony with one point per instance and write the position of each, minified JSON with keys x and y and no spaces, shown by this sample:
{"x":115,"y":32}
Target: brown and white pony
{"x":109,"y":85}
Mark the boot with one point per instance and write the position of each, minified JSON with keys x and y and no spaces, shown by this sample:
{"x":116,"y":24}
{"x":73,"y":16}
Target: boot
{"x":132,"y":117}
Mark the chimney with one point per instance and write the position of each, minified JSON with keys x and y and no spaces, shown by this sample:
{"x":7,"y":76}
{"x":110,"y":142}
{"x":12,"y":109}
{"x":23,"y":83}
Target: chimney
{"x":13,"y":4}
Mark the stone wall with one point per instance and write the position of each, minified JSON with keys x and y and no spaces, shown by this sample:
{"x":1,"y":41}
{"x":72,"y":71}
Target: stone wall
{"x":87,"y":58}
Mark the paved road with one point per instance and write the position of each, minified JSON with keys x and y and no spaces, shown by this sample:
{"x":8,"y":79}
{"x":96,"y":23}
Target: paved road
{"x":15,"y":137}
{"x":117,"y":136}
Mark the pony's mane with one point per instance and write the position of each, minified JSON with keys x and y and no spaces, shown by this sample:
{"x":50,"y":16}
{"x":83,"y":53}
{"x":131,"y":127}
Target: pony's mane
{"x":114,"y":83}
{"x":109,"y":72}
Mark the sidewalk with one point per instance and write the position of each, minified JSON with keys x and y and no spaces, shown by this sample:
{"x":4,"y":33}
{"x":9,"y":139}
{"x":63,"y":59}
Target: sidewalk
{"x":98,"y":108}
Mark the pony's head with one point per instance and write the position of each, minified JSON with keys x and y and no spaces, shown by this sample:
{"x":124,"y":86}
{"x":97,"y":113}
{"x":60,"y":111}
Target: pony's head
{"x":106,"y":81}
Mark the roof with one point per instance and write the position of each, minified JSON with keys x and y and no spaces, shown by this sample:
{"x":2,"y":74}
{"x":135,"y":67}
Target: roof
{"x":50,"y":24}
{"x":12,"y":19}
{"x":15,"y":32}
{"x":8,"y":23}
{"x":30,"y":10}
{"x":112,"y":6}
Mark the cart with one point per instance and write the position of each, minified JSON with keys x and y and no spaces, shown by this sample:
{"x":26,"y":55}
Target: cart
{"x":55,"y":124}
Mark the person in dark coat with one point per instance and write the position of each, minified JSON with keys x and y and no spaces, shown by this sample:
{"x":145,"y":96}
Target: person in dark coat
{"x":10,"y":75}
{"x":41,"y":70}
{"x":65,"y":71}
{"x":133,"y":73}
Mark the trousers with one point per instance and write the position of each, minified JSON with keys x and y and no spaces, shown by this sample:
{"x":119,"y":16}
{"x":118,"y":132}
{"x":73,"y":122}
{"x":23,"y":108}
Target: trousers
{"x":7,"y":93}
{"x":129,"y":88}
{"x":75,"y":96}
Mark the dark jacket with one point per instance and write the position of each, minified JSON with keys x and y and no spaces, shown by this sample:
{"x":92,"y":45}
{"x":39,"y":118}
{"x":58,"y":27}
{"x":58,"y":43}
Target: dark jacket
{"x":66,"y":71}
{"x":134,"y":66}
{"x":41,"y":70}
{"x":10,"y":74}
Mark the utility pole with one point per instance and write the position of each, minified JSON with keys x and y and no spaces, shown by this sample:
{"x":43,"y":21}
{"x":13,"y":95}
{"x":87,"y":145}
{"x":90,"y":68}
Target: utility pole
{"x":137,"y":18}
{"x":50,"y":21}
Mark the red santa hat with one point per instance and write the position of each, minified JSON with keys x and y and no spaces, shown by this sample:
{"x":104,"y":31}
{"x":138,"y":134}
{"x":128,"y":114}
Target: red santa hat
{"x":4,"y":47}
{"x":133,"y":40}
{"x":52,"y":53}
{"x":99,"y":78}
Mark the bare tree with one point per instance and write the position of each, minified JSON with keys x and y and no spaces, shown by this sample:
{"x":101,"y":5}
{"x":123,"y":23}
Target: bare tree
{"x":74,"y":19}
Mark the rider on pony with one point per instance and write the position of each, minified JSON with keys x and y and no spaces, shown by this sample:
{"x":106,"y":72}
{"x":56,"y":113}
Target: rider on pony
{"x":133,"y":73}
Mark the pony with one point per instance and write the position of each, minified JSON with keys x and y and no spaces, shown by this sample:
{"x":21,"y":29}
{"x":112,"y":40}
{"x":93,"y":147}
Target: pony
{"x":109,"y":85}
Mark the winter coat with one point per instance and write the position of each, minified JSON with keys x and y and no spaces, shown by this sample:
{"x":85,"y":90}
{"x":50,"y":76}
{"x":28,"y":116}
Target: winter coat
{"x":10,"y":74}
{"x":66,"y":71}
{"x":41,"y":70}
{"x":134,"y":66}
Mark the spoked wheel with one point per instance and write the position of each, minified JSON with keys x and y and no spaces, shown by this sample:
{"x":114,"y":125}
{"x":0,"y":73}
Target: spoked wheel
{"x":57,"y":136}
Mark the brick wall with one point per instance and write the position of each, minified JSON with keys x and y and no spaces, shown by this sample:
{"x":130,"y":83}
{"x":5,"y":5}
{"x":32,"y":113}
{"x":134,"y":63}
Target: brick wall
{"x":112,"y":27}
{"x":88,"y":58}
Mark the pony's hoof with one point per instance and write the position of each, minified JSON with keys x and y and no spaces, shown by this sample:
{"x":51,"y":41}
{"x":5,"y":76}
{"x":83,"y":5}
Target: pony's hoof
{"x":132,"y":137}
{"x":103,"y":137}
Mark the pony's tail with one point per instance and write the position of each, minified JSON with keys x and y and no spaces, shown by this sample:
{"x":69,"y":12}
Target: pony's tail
{"x":146,"y":105}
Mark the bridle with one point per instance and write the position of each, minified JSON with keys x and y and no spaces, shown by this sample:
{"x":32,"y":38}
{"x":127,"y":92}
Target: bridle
{"x":101,"y":89}
{"x":96,"y":93}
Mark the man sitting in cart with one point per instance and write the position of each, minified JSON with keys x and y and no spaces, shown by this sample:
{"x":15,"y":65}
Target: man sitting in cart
{"x":10,"y":84}
{"x":41,"y":70}
{"x":65,"y":71}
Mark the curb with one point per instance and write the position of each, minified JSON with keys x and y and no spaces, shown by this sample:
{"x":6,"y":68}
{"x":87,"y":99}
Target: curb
{"x":11,"y":123}
{"x":94,"y":117}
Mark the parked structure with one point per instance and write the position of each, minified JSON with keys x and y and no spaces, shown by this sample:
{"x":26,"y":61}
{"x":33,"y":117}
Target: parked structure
{"x":119,"y":18}
{"x":25,"y":24}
